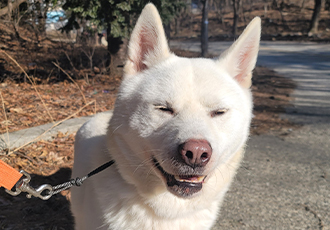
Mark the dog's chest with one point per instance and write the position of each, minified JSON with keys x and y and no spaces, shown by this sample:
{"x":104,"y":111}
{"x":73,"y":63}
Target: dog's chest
{"x":137,"y":217}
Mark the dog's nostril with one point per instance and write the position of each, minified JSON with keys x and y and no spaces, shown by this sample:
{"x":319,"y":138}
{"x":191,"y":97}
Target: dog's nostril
{"x":189,"y":154}
{"x":205,"y":156}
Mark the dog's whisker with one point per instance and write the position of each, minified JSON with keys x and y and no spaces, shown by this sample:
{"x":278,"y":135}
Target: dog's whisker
{"x":143,"y":163}
{"x":219,"y":170}
{"x":116,"y":129}
{"x":154,"y":167}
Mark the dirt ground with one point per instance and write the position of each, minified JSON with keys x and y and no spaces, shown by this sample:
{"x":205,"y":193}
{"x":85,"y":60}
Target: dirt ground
{"x":60,"y":78}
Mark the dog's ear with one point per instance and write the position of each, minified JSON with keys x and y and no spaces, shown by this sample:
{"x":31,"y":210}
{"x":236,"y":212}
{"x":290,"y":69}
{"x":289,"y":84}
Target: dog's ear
{"x":240,"y":59}
{"x":148,"y":45}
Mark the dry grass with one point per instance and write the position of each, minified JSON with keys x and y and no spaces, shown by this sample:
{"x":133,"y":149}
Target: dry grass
{"x":33,"y":84}
{"x":31,"y":81}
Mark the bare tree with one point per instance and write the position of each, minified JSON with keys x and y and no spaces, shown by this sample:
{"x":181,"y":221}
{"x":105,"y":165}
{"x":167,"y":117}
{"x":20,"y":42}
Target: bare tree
{"x":302,"y":8}
{"x":219,"y":9}
{"x":204,"y":31}
{"x":10,"y":7}
{"x":236,"y":8}
{"x":315,"y":18}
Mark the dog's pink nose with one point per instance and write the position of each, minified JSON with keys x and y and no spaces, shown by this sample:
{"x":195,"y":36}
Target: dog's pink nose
{"x":195,"y":153}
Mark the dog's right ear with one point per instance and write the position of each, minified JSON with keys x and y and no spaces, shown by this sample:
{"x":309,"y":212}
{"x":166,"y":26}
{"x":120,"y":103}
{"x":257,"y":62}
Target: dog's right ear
{"x":240,"y":59}
{"x":148,"y":45}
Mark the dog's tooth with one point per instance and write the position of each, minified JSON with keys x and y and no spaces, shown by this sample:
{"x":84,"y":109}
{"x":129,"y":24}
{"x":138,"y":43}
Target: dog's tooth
{"x":195,"y":179}
{"x":179,"y":179}
{"x":200,"y":178}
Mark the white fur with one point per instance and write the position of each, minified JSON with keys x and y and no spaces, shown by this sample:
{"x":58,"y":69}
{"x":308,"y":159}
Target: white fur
{"x":132,"y":194}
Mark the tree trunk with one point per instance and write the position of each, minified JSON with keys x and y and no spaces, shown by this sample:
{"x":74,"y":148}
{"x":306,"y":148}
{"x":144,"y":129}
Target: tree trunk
{"x":236,"y":5}
{"x":302,"y":6}
{"x":10,"y":9}
{"x":167,"y":28}
{"x":204,"y":30}
{"x":113,"y":46}
{"x":315,"y":18}
{"x":13,"y":6}
{"x":176,"y":26}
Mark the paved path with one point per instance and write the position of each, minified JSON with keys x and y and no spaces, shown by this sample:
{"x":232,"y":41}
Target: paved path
{"x":306,"y":63}
{"x":284,"y":182}
{"x":42,"y":132}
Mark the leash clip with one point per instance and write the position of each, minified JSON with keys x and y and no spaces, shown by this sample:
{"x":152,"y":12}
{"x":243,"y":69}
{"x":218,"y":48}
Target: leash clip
{"x":23,"y":186}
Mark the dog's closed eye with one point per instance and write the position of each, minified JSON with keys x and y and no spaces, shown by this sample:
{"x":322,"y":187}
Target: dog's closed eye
{"x":218,"y":112}
{"x":165,"y":108}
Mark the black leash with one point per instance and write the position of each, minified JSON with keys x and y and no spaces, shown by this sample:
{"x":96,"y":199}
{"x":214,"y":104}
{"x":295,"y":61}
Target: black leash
{"x":79,"y":181}
{"x":46,"y":191}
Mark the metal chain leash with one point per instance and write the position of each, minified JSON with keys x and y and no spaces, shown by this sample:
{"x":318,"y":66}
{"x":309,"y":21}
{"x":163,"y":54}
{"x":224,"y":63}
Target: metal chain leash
{"x":46,"y":191}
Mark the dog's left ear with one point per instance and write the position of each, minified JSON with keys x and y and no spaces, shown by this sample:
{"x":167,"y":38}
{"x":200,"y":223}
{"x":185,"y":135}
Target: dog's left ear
{"x":240,"y":59}
{"x":148,"y":45}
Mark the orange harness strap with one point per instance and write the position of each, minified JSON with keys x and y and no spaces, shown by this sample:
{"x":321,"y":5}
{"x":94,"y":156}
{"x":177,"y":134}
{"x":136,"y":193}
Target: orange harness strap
{"x":8,"y":176}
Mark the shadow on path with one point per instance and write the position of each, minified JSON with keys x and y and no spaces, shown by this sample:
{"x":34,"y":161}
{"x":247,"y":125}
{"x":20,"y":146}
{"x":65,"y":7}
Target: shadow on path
{"x":21,"y":213}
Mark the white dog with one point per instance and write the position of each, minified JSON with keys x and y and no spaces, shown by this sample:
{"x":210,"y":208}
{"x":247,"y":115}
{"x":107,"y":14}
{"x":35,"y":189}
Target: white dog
{"x":177,"y":136}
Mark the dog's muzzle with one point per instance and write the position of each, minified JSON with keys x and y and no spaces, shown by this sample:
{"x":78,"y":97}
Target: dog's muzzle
{"x":192,"y":155}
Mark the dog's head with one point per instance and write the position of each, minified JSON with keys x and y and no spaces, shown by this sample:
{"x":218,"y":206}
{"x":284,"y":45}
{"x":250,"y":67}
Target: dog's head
{"x":176,"y":120}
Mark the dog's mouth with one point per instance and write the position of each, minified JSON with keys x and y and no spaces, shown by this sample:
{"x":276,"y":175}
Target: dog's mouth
{"x":181,"y":185}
